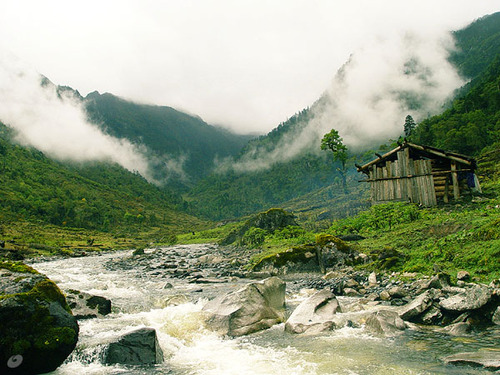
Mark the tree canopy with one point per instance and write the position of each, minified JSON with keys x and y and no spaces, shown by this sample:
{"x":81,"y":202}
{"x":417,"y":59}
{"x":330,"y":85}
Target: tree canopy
{"x":333,"y":142}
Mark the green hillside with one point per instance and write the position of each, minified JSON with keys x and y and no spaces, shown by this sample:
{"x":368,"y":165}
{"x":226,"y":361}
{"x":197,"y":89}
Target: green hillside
{"x":473,"y":121}
{"x":101,"y":197}
{"x":310,"y":183}
{"x":477,"y":45}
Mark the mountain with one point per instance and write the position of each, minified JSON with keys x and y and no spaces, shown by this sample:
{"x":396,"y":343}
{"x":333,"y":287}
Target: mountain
{"x":473,"y":121}
{"x":99,"y":196}
{"x":106,"y":197}
{"x":477,"y":45}
{"x":309,"y":181}
{"x":185,"y":143}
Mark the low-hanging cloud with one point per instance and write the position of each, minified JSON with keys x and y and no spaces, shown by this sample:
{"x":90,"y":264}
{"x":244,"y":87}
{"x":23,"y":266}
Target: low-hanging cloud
{"x":56,"y":124}
{"x":369,"y":98}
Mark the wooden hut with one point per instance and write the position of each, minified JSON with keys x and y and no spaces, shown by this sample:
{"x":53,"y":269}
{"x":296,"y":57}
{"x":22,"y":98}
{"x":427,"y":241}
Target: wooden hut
{"x":419,"y":174}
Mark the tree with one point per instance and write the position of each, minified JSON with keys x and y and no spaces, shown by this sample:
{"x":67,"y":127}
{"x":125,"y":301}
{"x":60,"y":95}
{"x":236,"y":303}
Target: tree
{"x":409,"y":125}
{"x":333,"y":142}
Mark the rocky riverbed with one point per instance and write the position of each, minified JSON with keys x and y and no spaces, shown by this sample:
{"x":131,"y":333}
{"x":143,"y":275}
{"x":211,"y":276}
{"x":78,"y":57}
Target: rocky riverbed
{"x":180,"y":291}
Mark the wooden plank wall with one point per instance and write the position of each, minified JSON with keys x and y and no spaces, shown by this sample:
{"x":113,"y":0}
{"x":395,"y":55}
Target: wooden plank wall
{"x":404,"y":179}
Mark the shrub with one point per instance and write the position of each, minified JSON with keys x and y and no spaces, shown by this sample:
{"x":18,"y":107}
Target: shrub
{"x":254,"y":237}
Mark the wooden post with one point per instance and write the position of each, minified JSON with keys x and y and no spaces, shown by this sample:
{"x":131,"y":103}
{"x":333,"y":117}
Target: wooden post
{"x":385,"y":184}
{"x":372,"y":186}
{"x":454,"y":178}
{"x":401,"y":173}
{"x":431,"y":189}
{"x":446,"y":189}
{"x":409,"y":171}
{"x":390,"y":190}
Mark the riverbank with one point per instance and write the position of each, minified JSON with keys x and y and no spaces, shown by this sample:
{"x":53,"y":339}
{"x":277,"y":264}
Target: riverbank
{"x":167,"y":288}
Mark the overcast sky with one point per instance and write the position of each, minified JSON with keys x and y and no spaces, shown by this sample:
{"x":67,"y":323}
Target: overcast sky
{"x":247,"y":65}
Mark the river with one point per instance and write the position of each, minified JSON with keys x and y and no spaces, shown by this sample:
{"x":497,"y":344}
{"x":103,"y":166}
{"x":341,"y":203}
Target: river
{"x":145,"y":298}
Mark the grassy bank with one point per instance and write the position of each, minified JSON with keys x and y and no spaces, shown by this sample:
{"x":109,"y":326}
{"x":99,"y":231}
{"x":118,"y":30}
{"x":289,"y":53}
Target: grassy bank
{"x":460,"y":237}
{"x":464,"y":235}
{"x":27,"y":239}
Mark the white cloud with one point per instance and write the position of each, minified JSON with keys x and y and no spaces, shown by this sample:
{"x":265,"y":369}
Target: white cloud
{"x":365,"y":102}
{"x":57,"y":125}
{"x":247,"y":64}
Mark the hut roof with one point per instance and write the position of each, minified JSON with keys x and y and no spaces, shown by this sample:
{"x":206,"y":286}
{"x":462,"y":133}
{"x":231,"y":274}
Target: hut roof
{"x":421,"y":151}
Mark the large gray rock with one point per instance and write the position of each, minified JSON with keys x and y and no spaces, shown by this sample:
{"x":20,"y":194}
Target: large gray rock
{"x":315,"y":314}
{"x":496,"y":316}
{"x":414,"y":309}
{"x":489,"y":359}
{"x":385,"y":322}
{"x":37,"y":329}
{"x":457,"y":329}
{"x":255,"y":307}
{"x":139,"y":347}
{"x":87,"y":306}
{"x":470,"y":299}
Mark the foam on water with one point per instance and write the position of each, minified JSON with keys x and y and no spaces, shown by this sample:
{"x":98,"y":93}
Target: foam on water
{"x":191,"y":349}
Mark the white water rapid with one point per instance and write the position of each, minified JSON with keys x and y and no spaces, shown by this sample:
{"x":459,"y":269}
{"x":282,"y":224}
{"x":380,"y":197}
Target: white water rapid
{"x":140,"y":298}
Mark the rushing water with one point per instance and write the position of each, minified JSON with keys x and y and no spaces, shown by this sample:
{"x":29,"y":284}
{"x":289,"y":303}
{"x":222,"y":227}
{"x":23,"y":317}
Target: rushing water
{"x":140,"y":300}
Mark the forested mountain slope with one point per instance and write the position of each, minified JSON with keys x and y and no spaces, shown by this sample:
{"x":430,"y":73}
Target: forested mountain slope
{"x":473,"y":121}
{"x":311,"y":179}
{"x":98,"y":196}
{"x":186,"y":143}
{"x":477,"y":45}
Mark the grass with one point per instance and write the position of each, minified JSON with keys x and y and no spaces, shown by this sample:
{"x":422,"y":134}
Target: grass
{"x":461,"y":237}
{"x":212,"y":235}
{"x":27,"y":239}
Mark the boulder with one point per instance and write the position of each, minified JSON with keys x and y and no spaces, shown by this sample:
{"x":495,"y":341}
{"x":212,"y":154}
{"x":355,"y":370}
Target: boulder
{"x":332,"y":275}
{"x":384,"y":295}
{"x":439,"y":281}
{"x":327,"y":252}
{"x":37,"y":329}
{"x":87,"y":306}
{"x":351,"y":292}
{"x":385,"y":322}
{"x":139,"y":347}
{"x":297,"y":259}
{"x":489,"y":359}
{"x":315,"y":314}
{"x":351,"y":283}
{"x":457,"y":329}
{"x":397,"y":292}
{"x":372,"y":279}
{"x":470,"y":299}
{"x":496,"y":316}
{"x":463,"y":275}
{"x":412,"y":310}
{"x":255,"y":307}
{"x":432,"y":315}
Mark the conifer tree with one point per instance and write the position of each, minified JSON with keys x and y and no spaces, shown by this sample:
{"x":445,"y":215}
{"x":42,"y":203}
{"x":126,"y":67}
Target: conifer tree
{"x":409,"y":126}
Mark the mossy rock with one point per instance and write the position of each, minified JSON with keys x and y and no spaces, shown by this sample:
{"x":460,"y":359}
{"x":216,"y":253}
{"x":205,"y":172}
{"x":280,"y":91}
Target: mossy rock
{"x":16,"y":267}
{"x":300,"y":258}
{"x":37,"y":329}
{"x":270,"y":221}
{"x":323,"y":240}
{"x":387,"y":258}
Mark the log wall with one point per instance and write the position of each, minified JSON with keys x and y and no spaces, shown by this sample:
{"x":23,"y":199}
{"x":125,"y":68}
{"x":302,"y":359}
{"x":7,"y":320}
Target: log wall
{"x":404,"y":179}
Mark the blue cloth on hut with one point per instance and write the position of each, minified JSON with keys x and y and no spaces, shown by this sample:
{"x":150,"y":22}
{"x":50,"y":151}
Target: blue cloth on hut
{"x":471,"y":180}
